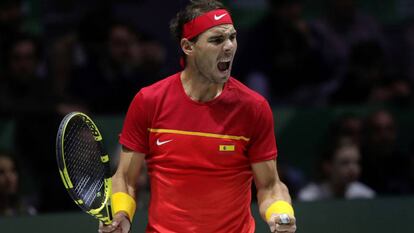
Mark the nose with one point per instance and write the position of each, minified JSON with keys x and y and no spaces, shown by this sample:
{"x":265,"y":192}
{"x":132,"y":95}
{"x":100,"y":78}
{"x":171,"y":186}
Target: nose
{"x":229,"y":45}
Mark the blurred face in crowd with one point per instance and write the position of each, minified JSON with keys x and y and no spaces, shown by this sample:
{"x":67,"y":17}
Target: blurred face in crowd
{"x":344,"y":166}
{"x":352,"y":127}
{"x":121,"y":44}
{"x":8,"y":176}
{"x":10,"y":15}
{"x":23,"y":59}
{"x":213,"y":53}
{"x":382,"y":130}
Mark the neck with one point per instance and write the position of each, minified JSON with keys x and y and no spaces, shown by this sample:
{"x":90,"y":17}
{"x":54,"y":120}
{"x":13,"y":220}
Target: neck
{"x":338,"y":189}
{"x":198,"y":87}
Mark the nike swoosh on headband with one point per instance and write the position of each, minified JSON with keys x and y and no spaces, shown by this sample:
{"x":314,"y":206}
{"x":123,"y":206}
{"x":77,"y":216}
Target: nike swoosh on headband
{"x":218,"y":17}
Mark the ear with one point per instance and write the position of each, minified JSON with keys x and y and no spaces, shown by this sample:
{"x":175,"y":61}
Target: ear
{"x":186,"y":46}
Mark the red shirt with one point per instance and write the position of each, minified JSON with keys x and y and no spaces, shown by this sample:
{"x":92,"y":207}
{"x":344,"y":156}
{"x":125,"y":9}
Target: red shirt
{"x":199,"y":155}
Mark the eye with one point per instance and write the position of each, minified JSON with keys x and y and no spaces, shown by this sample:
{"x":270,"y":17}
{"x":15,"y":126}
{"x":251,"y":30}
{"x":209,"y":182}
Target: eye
{"x":233,"y":36}
{"x":216,"y":40}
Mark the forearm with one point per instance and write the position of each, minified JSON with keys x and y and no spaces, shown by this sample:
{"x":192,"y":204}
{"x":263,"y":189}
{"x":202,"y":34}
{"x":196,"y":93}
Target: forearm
{"x":121,"y":183}
{"x":124,"y":182}
{"x":129,"y":168}
{"x":270,"y":194}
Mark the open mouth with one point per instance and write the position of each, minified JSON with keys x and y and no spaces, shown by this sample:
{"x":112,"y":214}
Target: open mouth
{"x":223,"y":66}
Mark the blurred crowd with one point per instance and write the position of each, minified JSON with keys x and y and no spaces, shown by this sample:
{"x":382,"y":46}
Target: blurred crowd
{"x":94,"y":59}
{"x":362,"y":158}
{"x":344,"y":57}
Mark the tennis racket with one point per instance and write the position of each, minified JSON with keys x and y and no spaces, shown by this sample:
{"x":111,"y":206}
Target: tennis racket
{"x":84,"y":165}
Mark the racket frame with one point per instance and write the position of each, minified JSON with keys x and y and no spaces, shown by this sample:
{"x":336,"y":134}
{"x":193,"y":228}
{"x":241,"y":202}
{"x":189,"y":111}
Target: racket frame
{"x":104,"y":212}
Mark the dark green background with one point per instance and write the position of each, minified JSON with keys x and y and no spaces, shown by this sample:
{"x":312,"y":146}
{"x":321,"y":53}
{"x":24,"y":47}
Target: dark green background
{"x":391,"y":215}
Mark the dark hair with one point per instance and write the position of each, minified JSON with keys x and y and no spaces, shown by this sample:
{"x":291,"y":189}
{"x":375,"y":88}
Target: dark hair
{"x":130,"y":27}
{"x":329,"y":154}
{"x":192,"y":10}
{"x":337,"y":128}
{"x":6,"y":153}
{"x":331,"y":150}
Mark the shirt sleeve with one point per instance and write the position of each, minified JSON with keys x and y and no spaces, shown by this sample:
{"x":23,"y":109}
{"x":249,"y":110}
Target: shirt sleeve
{"x":135,"y":129}
{"x":262,"y":146}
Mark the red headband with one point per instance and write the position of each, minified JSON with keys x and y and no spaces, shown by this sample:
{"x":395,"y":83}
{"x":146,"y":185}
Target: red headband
{"x":206,"y":21}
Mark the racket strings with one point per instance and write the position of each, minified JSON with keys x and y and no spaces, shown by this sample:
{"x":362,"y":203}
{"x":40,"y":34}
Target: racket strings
{"x":83,"y":154}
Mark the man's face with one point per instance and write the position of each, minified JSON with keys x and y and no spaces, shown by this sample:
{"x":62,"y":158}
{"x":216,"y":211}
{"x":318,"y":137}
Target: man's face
{"x":23,"y":59}
{"x":121,"y":41}
{"x":8,"y":176}
{"x":383,"y":129}
{"x":345,"y":165}
{"x":214,"y":52}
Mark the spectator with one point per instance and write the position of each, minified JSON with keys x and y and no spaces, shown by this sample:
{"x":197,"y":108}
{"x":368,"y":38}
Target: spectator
{"x":342,"y":27}
{"x":11,"y":17}
{"x":11,"y":202}
{"x":367,"y":80}
{"x":292,"y":176}
{"x":409,"y":42}
{"x":128,"y":63}
{"x":400,"y":45}
{"x":347,"y":125}
{"x":28,"y":99}
{"x":340,"y":174}
{"x":24,"y":87}
{"x":278,"y":59}
{"x":386,"y":168}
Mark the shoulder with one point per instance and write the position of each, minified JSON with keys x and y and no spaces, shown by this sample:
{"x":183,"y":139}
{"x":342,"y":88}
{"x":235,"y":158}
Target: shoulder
{"x":157,"y":90}
{"x":310,"y":192}
{"x":359,"y":190}
{"x":245,"y":94}
{"x":149,"y":96}
{"x":160,"y":86}
{"x":254,"y":106}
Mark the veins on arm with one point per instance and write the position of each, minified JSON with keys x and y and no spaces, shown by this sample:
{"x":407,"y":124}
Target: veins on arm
{"x":269,"y":186}
{"x":128,"y":171}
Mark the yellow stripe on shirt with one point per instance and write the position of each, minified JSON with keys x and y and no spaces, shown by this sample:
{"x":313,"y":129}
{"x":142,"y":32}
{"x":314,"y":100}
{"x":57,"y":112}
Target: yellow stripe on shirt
{"x":210,"y":135}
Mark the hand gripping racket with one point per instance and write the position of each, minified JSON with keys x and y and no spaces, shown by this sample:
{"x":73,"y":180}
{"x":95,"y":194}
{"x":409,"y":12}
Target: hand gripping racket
{"x":84,"y":165}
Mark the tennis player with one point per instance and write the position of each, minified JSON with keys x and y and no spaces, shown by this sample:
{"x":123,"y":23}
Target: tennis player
{"x":204,"y":137}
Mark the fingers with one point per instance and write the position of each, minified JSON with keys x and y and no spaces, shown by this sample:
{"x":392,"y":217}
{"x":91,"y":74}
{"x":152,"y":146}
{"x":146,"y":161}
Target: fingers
{"x":109,"y":228}
{"x":285,"y":228}
{"x":125,"y":226}
{"x":272,"y":223}
{"x":120,"y":224}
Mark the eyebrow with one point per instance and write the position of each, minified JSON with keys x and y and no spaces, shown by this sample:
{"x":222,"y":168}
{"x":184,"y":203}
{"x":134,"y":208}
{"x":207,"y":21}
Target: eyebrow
{"x":222,"y":34}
